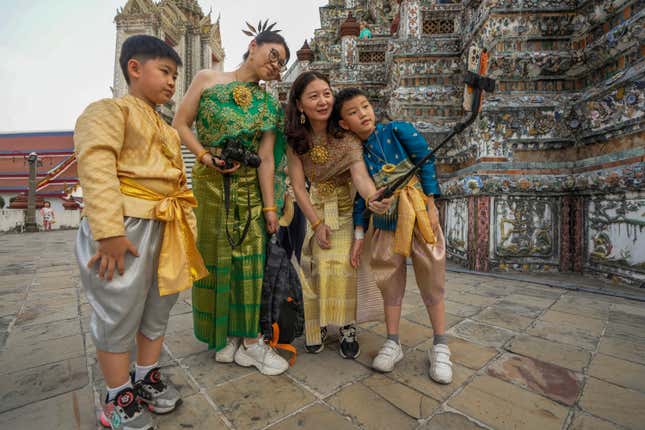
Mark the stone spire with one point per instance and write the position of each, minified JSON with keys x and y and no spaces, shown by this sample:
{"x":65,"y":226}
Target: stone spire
{"x":305,"y":53}
{"x":350,"y":27}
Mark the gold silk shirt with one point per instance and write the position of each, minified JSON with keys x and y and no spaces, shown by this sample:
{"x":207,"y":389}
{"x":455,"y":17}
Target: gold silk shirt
{"x":125,"y":138}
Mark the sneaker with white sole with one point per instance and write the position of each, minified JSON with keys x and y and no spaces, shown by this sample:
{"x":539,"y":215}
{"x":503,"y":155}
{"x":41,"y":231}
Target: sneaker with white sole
{"x":387,"y":357}
{"x":227,"y":354}
{"x":160,"y":396}
{"x":317,"y":349}
{"x":440,"y":364}
{"x":349,"y":347}
{"x":262,"y":356}
{"x":125,"y":412}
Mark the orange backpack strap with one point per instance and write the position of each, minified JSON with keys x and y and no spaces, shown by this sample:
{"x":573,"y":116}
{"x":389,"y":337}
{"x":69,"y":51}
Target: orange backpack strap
{"x":273,"y":343}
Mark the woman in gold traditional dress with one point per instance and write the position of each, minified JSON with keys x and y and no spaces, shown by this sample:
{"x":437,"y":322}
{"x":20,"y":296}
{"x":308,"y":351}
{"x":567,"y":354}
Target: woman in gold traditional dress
{"x":236,"y":202}
{"x":331,"y":161}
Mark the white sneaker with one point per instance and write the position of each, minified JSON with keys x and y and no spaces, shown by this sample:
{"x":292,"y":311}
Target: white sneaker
{"x":389,"y":354}
{"x":440,"y":364}
{"x":226,"y":354}
{"x":263,"y":357}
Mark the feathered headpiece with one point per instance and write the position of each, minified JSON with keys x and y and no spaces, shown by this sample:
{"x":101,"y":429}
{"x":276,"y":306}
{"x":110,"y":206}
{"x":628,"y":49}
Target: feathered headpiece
{"x":261,"y":28}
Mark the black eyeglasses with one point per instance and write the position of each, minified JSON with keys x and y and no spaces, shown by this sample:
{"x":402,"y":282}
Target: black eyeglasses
{"x":274,"y":58}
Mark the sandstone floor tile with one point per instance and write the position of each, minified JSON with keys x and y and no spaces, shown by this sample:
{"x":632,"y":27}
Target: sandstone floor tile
{"x":465,"y":353}
{"x":586,"y":306}
{"x":564,"y":333}
{"x":421,"y":317}
{"x":179,"y":323}
{"x":522,"y":299}
{"x":450,"y":421}
{"x":619,"y":372}
{"x":181,"y":308}
{"x":582,"y":421}
{"x":370,"y":345}
{"x":523,"y":310}
{"x":461,"y":309}
{"x":70,"y":411}
{"x":381,"y":415}
{"x":500,"y":318}
{"x":480,"y":333}
{"x":313,"y":370}
{"x":472,"y":299}
{"x":39,"y":383}
{"x":488,"y":289}
{"x":555,"y":382}
{"x":256,"y":401}
{"x":569,"y":356}
{"x":413,"y":372}
{"x":195,"y":413}
{"x":184,"y":343}
{"x":22,"y":356}
{"x":542,"y":292}
{"x":34,"y":334}
{"x":634,"y":334}
{"x":316,"y":417}
{"x":208,"y":373}
{"x":43,"y":313}
{"x":411,"y":334}
{"x":506,"y":406}
{"x":590,"y":325}
{"x":628,"y":318}
{"x":616,"y":404}
{"x":410,"y":401}
{"x":623,"y":348}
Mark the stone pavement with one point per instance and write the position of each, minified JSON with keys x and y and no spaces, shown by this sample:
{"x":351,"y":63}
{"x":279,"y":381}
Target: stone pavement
{"x":526,"y":357}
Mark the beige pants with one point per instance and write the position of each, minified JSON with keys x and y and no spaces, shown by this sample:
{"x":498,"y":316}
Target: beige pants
{"x":389,"y":269}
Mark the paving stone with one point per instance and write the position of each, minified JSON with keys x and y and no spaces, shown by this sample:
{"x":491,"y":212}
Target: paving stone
{"x":461,"y":309}
{"x":554,"y":382}
{"x":472,"y":299}
{"x":564,"y":333}
{"x":413,"y":372}
{"x":38,"y":383}
{"x":421,"y":317}
{"x":184,"y":343}
{"x":571,"y":357}
{"x":622,"y":348}
{"x":370,"y":345}
{"x":488,"y":289}
{"x":315,"y":417}
{"x":619,"y":372}
{"x":208,"y":373}
{"x":465,"y":353}
{"x":42,"y":313}
{"x":582,"y":421}
{"x":450,"y":421}
{"x":411,"y":334}
{"x":481,"y":333}
{"x":506,"y":406}
{"x":628,"y":318}
{"x":178,"y":323}
{"x":501,"y":318}
{"x":410,"y":401}
{"x":256,"y":401}
{"x":521,"y":299}
{"x":20,"y":357}
{"x":542,"y":292}
{"x":181,"y":308}
{"x":71,"y":411}
{"x":195,"y":413}
{"x":619,"y":405}
{"x":352,"y":400}
{"x":628,"y":332}
{"x":313,"y":370}
{"x":577,"y":304}
{"x":523,"y":310}
{"x":33,"y":334}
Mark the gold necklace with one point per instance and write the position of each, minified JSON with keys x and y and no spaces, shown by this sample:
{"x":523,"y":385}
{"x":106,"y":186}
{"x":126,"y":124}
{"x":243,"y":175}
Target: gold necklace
{"x":387,"y":167}
{"x":242,"y":95}
{"x":319,"y":153}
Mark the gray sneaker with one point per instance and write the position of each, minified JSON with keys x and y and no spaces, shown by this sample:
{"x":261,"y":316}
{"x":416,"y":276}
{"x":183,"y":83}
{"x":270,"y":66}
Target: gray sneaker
{"x":159,"y":396}
{"x":124,"y":412}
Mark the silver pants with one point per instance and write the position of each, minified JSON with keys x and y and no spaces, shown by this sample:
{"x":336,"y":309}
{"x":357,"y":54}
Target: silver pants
{"x":130,"y":303}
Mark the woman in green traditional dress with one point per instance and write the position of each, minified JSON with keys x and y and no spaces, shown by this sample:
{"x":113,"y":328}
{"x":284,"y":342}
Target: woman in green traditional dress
{"x":236,"y":201}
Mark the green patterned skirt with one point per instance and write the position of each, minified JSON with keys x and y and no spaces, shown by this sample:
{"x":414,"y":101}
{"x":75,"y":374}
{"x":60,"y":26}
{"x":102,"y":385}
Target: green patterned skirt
{"x":227,"y":302}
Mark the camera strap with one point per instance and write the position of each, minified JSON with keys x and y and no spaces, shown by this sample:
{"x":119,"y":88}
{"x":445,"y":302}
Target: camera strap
{"x":227,"y":205}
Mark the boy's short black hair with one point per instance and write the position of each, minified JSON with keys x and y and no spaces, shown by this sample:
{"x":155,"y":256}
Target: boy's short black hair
{"x":341,"y":98}
{"x":143,"y":48}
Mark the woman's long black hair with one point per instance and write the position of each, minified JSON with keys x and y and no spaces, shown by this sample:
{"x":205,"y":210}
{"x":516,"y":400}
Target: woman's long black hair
{"x":270,"y":37}
{"x":299,"y":135}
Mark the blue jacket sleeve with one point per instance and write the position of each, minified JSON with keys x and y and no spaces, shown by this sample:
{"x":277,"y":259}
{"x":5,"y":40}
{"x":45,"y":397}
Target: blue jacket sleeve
{"x":359,"y":208}
{"x":416,"y":147}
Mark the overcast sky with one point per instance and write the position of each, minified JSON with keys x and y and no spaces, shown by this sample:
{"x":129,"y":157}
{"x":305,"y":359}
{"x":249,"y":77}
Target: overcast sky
{"x":58,"y":56}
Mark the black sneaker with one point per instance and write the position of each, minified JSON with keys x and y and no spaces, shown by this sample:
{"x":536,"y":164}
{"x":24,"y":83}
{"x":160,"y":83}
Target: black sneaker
{"x":160,"y":397}
{"x":349,"y":347}
{"x":125,"y":412}
{"x":317,"y":349}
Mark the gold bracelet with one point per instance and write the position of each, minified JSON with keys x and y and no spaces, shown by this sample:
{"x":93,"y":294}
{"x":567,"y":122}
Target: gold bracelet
{"x":201,"y":154}
{"x":316,"y":224}
{"x":270,"y":209}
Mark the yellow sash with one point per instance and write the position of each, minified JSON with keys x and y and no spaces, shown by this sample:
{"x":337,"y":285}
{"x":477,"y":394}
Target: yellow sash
{"x":412,"y":210}
{"x":180,"y":264}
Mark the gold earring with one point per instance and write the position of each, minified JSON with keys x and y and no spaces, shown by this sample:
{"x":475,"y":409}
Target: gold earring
{"x":303,"y":119}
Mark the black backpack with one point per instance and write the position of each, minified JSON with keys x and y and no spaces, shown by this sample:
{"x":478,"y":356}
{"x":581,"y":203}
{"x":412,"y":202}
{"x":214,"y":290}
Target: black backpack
{"x":282,"y":314}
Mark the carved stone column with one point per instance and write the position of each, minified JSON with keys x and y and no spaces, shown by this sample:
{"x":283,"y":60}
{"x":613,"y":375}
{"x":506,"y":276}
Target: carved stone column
{"x":411,"y":20}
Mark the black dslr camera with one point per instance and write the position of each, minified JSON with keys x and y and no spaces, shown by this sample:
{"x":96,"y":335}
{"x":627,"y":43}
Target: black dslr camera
{"x":233,"y":150}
